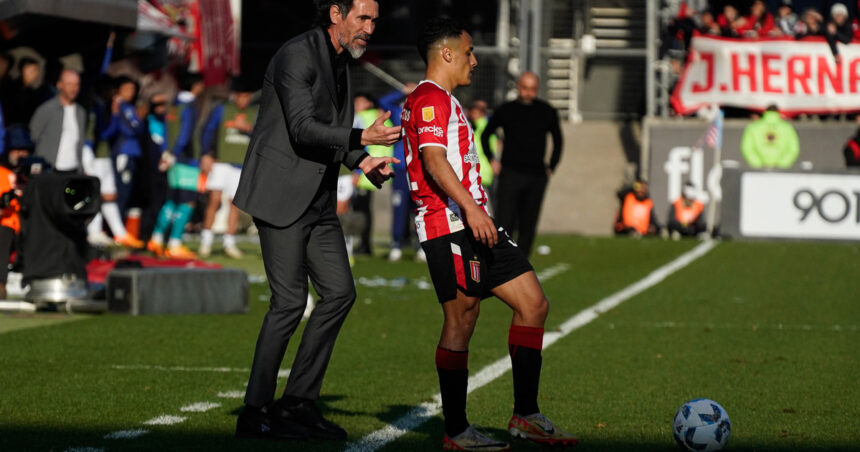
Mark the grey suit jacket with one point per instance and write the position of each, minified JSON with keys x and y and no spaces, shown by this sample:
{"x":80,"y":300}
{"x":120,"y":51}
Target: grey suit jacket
{"x":46,"y":126}
{"x":300,"y":132}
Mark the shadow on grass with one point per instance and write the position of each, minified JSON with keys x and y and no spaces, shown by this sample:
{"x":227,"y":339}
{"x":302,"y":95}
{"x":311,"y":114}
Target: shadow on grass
{"x":425,"y":438}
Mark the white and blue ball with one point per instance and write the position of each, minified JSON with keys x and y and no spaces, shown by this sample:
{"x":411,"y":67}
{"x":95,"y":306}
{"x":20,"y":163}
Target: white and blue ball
{"x":702,"y":425}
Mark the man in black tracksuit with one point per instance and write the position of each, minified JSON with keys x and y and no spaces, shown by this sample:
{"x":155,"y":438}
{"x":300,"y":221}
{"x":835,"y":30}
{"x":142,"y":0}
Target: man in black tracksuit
{"x":523,"y":171}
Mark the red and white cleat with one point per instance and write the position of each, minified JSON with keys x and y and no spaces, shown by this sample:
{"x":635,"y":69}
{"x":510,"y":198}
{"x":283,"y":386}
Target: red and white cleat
{"x":536,"y":427}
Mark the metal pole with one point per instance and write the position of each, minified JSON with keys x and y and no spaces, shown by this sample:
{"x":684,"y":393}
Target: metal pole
{"x":503,"y":25}
{"x":523,"y":35}
{"x":535,"y":22}
{"x":650,"y":56}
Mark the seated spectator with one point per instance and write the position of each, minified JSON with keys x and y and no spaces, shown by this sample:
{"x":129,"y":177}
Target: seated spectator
{"x":838,"y":28}
{"x":686,"y":217}
{"x":758,"y":23}
{"x":18,"y":146}
{"x":102,"y":168}
{"x":812,"y":24}
{"x":786,"y":19}
{"x":770,"y":142}
{"x":636,"y":216}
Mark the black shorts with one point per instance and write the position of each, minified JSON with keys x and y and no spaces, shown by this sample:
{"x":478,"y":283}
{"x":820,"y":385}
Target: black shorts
{"x":458,"y":261}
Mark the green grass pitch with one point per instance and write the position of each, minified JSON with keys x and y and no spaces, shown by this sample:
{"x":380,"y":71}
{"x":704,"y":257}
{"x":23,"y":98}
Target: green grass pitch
{"x":769,"y":330}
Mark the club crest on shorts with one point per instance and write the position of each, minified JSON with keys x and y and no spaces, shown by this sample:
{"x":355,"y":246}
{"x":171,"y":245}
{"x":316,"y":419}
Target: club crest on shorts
{"x":475,"y":269}
{"x":428,"y":114}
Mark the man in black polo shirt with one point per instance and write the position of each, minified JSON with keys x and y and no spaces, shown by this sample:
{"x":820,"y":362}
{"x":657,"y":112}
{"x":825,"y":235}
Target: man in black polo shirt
{"x":524,"y":172}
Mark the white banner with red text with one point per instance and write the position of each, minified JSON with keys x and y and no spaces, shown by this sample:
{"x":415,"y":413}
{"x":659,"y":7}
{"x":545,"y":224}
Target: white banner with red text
{"x":796,"y":76}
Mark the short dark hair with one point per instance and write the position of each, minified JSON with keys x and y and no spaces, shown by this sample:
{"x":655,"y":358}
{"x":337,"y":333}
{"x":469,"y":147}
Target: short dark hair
{"x":190,"y":79}
{"x":25,"y":61}
{"x":435,"y":30}
{"x":324,"y":6}
{"x":123,"y":79}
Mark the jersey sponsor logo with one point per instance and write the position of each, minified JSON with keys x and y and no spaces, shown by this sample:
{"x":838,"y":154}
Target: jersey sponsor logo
{"x":475,"y":270}
{"x":472,"y":157}
{"x":428,"y":114}
{"x":435,"y":130}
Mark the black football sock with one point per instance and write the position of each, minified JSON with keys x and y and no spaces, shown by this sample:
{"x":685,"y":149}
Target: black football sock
{"x":452,"y":367}
{"x":524,"y":345}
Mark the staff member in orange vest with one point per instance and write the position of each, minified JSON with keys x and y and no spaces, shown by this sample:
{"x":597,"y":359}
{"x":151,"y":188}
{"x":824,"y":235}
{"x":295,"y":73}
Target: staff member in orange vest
{"x":685,"y":214}
{"x":18,"y":147}
{"x":636,"y":216}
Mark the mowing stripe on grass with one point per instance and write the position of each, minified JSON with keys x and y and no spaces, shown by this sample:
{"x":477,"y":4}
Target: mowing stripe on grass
{"x":421,"y":413}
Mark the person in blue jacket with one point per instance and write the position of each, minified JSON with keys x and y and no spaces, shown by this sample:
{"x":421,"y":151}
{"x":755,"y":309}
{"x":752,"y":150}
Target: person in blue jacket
{"x":124,"y":132}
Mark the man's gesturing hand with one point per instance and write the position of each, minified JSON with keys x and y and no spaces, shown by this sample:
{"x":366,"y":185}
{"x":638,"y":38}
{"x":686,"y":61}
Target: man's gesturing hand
{"x":377,"y":170}
{"x":379,"y":133}
{"x":482,"y":226}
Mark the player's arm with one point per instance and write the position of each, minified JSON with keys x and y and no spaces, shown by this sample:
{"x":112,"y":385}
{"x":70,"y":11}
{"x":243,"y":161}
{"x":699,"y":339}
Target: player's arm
{"x":436,"y":163}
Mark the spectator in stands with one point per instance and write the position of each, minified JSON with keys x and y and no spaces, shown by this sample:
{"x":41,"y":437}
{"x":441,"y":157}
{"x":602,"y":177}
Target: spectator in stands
{"x":25,"y":93}
{"x":686,"y":217}
{"x":730,"y":21}
{"x":708,"y":24}
{"x":365,"y":114}
{"x":58,"y":126}
{"x":224,"y":143}
{"x":838,"y":28}
{"x":758,"y":23}
{"x":18,"y":146}
{"x":636,"y":216}
{"x":401,"y":201}
{"x":770,"y":142}
{"x":524,"y":173}
{"x":812,"y":24}
{"x":124,"y":132}
{"x":786,"y":19}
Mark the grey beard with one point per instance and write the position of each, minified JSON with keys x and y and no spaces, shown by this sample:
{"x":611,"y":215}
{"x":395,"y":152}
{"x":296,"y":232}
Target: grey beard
{"x":356,"y":52}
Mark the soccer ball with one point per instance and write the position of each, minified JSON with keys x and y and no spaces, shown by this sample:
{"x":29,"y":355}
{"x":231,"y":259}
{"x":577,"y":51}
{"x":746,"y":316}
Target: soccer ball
{"x":702,"y":425}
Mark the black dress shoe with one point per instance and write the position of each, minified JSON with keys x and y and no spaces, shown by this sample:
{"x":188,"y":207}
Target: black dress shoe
{"x":309,"y":416}
{"x":255,"y":423}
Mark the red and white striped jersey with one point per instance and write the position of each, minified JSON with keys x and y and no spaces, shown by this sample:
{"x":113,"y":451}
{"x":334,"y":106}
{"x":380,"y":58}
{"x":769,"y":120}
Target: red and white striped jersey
{"x":433,"y":117}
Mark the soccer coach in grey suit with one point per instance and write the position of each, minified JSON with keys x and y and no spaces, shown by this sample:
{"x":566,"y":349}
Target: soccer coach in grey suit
{"x":302,"y":136}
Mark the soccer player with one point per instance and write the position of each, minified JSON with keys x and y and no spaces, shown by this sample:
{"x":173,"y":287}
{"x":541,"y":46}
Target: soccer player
{"x":469,"y":256}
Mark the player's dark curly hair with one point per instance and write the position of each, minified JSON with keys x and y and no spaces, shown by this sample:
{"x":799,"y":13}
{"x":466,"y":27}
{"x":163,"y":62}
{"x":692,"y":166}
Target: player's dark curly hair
{"x":435,"y":30}
{"x":324,"y":6}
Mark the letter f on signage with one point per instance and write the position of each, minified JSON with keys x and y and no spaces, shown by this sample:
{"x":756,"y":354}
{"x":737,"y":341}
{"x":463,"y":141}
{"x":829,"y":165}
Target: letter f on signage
{"x":676,"y":166}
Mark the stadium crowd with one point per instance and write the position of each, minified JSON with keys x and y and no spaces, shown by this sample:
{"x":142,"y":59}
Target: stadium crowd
{"x":759,"y":19}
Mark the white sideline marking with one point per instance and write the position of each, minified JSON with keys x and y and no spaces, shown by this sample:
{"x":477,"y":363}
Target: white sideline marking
{"x":199,"y":407}
{"x":231,"y":394}
{"x":549,"y":273}
{"x":126,"y":434}
{"x":283,"y":373}
{"x":423,"y":412}
{"x":85,"y":449}
{"x":181,"y":368}
{"x":165,"y":419}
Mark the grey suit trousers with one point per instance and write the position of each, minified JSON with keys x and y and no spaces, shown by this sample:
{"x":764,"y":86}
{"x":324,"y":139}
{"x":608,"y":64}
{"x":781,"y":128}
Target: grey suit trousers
{"x":312,"y":246}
